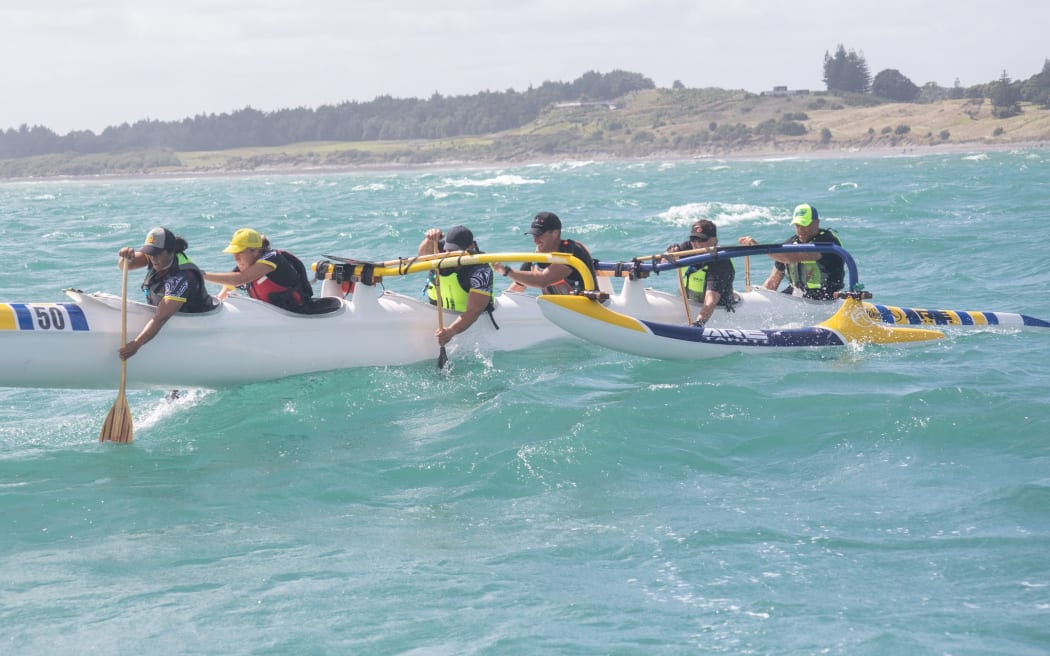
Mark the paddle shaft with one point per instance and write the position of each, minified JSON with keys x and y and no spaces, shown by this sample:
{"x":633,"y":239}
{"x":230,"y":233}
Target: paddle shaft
{"x":685,"y":297}
{"x":117,"y":426}
{"x":442,"y":355}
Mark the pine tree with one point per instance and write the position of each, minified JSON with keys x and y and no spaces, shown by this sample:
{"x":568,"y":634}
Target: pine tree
{"x":846,"y":71}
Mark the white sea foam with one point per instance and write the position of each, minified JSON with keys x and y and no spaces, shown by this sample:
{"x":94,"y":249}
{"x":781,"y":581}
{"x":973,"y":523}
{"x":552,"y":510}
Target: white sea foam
{"x":503,"y":180}
{"x":843,"y":185}
{"x":723,"y":214}
{"x":375,"y":186}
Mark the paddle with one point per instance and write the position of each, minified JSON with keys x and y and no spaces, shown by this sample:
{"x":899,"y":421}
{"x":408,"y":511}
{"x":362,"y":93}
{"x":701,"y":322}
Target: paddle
{"x":685,"y":297}
{"x":747,"y":273}
{"x":442,"y":356}
{"x":117,"y":427}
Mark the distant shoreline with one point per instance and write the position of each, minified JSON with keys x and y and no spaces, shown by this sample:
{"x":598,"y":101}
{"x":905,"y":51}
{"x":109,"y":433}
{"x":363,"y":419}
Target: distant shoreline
{"x":647,"y":126}
{"x":743,"y":154}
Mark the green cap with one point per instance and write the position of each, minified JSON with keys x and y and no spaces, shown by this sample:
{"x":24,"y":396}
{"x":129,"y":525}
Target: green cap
{"x":804,"y":215}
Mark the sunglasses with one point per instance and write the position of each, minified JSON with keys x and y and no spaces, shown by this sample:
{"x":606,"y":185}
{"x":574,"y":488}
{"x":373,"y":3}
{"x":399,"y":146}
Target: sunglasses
{"x":699,"y":239}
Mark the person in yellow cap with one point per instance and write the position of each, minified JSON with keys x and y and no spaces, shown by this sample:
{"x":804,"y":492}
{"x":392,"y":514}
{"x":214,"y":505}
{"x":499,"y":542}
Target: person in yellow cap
{"x":173,"y":283}
{"x":813,"y":275}
{"x":267,"y":274}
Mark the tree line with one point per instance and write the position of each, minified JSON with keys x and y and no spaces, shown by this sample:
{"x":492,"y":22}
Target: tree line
{"x":443,"y":117}
{"x":384,"y":118}
{"x":848,"y":72}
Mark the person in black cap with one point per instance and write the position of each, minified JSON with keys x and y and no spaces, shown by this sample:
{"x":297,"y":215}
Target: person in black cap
{"x":173,"y":283}
{"x":710,"y":285}
{"x":464,"y":289}
{"x":814,"y":275}
{"x":552,"y":278}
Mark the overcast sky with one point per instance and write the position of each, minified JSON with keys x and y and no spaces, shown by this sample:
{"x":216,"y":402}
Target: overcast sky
{"x":87,"y":64}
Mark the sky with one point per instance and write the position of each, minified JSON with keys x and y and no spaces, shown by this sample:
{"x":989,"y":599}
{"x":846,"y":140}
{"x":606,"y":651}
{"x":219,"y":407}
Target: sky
{"x":88,"y":64}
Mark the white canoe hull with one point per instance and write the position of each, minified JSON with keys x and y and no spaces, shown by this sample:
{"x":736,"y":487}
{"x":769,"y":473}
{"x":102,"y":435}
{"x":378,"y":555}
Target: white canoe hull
{"x":851,"y":324}
{"x":74,"y":345}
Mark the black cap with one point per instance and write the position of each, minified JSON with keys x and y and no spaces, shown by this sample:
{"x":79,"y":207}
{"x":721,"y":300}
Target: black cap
{"x":544,"y":222}
{"x":704,"y":228}
{"x":459,"y":239}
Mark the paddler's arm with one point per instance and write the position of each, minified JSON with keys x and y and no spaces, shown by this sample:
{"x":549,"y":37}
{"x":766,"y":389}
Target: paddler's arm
{"x":477,"y":301}
{"x":430,"y":242}
{"x":776,"y":276}
{"x":165,"y":310}
{"x":711,"y":299}
{"x":237,"y":278}
{"x":136,"y":260}
{"x":538,"y":277}
{"x":795,"y":258}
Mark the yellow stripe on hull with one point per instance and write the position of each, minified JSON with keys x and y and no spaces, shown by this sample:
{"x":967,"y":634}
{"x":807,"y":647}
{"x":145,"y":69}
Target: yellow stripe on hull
{"x":7,"y":317}
{"x":594,"y":310}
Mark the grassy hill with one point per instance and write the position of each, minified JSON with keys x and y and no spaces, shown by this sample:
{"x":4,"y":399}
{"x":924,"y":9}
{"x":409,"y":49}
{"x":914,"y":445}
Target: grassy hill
{"x":645,"y":124}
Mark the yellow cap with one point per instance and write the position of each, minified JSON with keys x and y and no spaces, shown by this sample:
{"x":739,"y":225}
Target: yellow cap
{"x":242,"y":239}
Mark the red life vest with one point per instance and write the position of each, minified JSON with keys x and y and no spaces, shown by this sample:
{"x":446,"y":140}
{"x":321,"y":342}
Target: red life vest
{"x":269,"y":291}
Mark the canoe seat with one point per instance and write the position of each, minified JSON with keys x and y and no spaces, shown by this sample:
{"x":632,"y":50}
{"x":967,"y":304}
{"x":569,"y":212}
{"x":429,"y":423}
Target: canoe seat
{"x":322,"y":305}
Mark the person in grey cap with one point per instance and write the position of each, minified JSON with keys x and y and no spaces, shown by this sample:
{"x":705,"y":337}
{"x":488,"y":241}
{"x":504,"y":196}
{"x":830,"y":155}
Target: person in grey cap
{"x":551,"y":278}
{"x":173,"y":283}
{"x":813,"y":275}
{"x":464,"y":289}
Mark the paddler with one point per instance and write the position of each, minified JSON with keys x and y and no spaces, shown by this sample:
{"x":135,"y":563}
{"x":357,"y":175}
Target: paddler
{"x":813,"y":275}
{"x":173,"y":283}
{"x":551,"y":278}
{"x":710,"y":285}
{"x":464,"y":289}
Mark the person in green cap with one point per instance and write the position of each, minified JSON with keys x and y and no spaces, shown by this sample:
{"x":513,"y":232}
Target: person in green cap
{"x":814,"y":275}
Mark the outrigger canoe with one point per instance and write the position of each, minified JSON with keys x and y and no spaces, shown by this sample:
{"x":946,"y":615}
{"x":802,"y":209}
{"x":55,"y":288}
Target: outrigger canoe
{"x":853,"y":321}
{"x":74,"y":344}
{"x":758,"y":307}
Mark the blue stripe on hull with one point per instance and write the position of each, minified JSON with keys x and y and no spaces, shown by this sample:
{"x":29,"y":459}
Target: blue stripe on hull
{"x":1032,"y":321}
{"x":77,"y":320}
{"x":795,"y":337}
{"x":25,"y":319}
{"x":922,"y":317}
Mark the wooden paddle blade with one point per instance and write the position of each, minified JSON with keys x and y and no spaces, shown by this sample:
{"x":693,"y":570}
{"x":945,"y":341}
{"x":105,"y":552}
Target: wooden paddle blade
{"x":118,"y":426}
{"x":442,"y":358}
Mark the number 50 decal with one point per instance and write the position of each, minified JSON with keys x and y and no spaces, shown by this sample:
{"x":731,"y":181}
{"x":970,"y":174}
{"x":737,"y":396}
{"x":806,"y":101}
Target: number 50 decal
{"x":50,"y":317}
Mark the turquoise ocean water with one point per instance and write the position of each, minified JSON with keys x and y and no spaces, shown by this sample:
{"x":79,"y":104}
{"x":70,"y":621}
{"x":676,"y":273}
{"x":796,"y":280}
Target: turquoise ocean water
{"x":568,"y":499}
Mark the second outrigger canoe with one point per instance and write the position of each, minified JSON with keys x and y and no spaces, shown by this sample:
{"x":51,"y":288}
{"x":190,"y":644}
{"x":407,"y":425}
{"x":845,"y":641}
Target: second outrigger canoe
{"x":853,"y":321}
{"x":850,"y":324}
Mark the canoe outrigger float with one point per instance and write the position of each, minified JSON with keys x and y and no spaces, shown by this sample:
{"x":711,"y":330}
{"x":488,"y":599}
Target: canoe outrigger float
{"x":74,"y":344}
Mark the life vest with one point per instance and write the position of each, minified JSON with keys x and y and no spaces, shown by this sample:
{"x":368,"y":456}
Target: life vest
{"x":454,"y":293}
{"x":153,"y":285}
{"x":285,"y":296}
{"x":811,"y":277}
{"x":696,"y":284}
{"x":573,"y":282}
